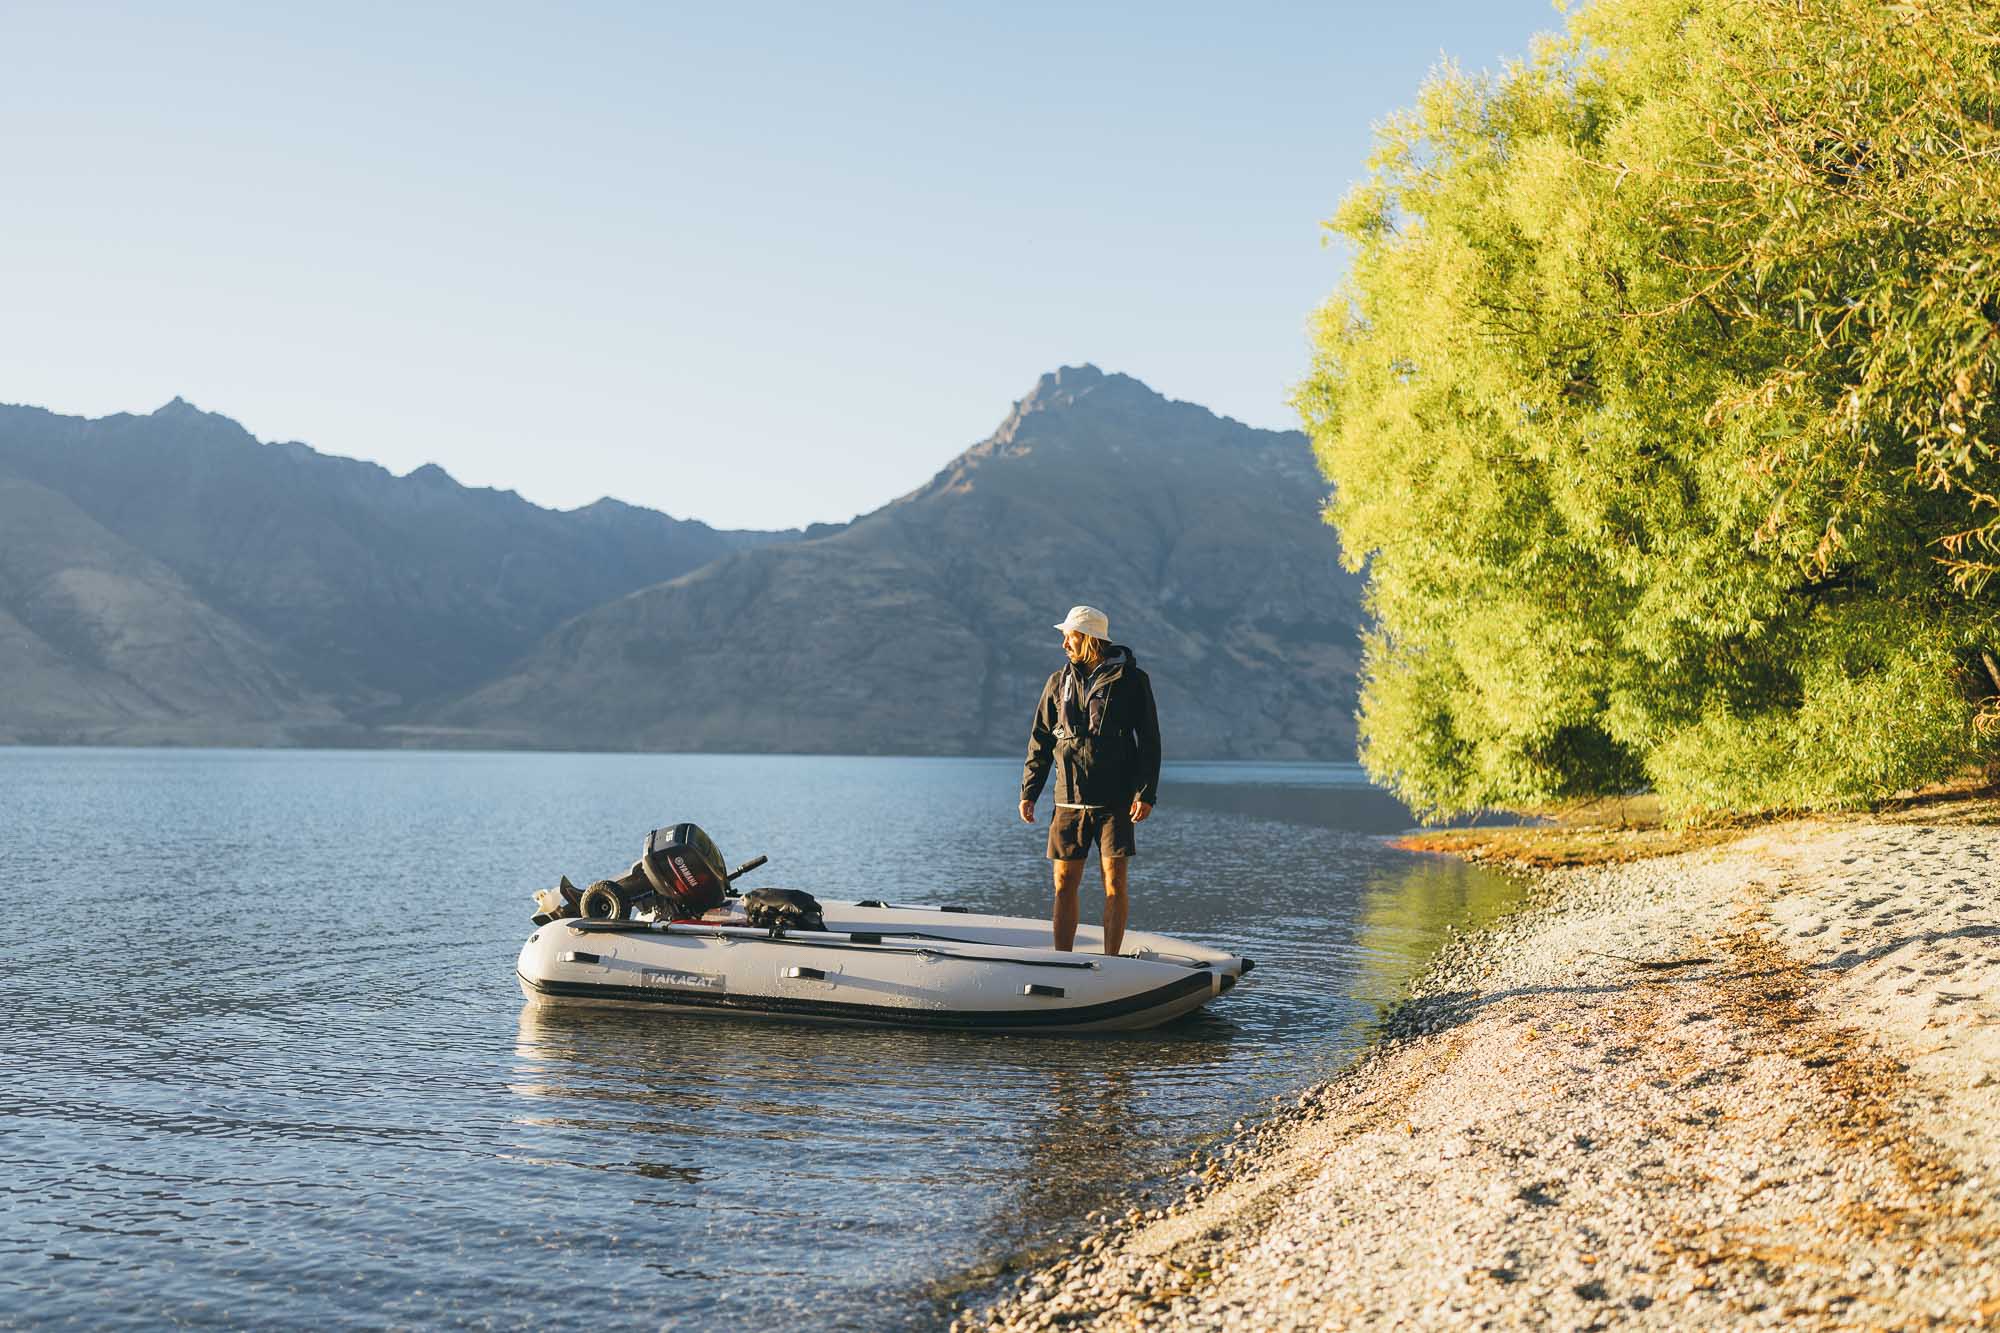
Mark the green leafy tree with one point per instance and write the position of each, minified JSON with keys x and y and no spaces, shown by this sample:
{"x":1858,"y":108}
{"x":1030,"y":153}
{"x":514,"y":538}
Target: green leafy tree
{"x":1660,"y":405}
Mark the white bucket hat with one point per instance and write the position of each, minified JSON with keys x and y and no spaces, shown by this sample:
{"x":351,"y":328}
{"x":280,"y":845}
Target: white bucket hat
{"x":1086,"y":620}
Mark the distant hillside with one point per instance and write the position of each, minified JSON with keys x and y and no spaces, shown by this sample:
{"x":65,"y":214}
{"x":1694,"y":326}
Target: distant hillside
{"x":924,"y":627}
{"x":97,"y":637}
{"x":170,"y":577}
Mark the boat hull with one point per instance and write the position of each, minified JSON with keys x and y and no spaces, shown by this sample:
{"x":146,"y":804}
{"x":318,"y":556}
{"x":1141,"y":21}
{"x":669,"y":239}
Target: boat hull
{"x":876,"y":965}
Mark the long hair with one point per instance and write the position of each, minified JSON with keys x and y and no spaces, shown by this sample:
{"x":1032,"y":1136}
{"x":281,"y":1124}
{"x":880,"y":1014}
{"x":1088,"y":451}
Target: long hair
{"x":1093,"y":649}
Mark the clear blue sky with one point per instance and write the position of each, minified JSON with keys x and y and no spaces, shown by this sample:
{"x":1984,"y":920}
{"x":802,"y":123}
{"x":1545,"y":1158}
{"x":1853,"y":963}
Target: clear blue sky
{"x":761,"y":264}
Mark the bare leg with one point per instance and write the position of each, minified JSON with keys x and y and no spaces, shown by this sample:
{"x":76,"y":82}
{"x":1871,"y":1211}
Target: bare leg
{"x":1069,"y":876}
{"x":1115,"y":869}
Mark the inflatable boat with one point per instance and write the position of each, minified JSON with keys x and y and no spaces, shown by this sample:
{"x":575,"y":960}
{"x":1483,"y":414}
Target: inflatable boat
{"x":670,"y":936}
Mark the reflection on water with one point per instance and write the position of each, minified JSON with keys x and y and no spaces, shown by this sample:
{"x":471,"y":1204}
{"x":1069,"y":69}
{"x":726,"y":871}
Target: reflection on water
{"x":307,"y":1091}
{"x":1407,"y":911}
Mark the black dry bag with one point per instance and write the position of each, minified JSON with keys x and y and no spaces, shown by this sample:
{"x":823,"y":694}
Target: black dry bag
{"x":783,"y":909}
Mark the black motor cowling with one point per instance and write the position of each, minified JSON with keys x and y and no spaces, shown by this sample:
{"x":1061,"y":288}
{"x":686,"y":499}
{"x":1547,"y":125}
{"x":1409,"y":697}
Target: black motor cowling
{"x":686,"y":870}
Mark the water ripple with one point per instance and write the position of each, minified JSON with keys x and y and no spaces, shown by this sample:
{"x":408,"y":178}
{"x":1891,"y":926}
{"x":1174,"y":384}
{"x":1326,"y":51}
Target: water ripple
{"x":276,"y":1069}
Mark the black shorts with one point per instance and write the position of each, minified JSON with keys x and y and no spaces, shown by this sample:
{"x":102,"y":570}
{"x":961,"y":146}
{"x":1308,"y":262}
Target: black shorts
{"x":1072,"y":832}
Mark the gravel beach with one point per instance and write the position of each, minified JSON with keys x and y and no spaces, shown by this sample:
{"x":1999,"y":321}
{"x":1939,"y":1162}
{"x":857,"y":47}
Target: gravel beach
{"x":1748,"y":1086}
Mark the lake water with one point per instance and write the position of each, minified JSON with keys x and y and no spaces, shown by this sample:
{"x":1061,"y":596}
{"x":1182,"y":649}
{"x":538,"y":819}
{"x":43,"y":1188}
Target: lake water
{"x":264,"y":1059}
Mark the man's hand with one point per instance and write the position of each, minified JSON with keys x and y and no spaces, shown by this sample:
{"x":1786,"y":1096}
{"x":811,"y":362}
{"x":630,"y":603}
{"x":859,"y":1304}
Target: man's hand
{"x":1027,"y":812}
{"x":1140,"y":810}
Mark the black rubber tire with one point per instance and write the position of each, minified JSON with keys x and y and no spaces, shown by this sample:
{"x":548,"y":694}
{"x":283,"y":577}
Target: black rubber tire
{"x":604,"y":901}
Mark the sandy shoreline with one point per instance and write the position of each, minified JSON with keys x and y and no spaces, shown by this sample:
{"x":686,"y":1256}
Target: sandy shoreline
{"x":1748,"y":1085}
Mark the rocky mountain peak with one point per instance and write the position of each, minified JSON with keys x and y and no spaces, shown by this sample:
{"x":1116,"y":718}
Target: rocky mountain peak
{"x":1064,"y":385}
{"x":1068,"y":386}
{"x":1057,"y":391}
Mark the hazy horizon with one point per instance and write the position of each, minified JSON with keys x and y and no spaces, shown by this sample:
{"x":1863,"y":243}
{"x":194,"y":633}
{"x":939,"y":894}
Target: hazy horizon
{"x":761,"y":268}
{"x":943,"y":460}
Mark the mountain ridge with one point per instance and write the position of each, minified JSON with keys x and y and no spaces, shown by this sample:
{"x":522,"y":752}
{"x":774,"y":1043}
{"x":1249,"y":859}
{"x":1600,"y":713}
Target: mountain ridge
{"x":352,"y":606}
{"x":375,"y":591}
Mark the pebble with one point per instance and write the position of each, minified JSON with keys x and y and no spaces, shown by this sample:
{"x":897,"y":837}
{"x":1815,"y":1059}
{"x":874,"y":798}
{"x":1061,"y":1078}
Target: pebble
{"x":1549,"y":1137}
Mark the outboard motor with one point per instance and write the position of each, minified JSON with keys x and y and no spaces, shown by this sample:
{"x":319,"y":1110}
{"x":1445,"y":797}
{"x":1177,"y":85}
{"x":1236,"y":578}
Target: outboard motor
{"x":680,"y":875}
{"x":686,"y":870}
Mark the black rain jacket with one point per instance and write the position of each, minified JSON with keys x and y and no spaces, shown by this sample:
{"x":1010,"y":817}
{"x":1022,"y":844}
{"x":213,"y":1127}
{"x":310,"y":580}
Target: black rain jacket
{"x":1100,"y":734}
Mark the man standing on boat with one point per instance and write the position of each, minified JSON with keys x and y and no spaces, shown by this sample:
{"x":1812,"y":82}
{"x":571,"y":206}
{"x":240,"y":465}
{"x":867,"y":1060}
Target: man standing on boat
{"x":1097,"y":727}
